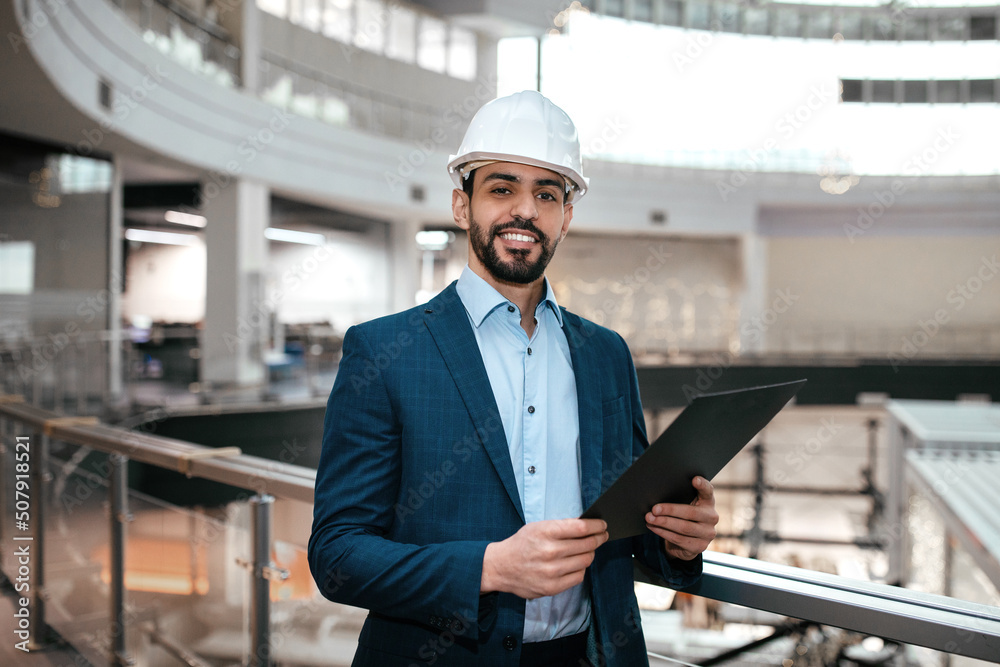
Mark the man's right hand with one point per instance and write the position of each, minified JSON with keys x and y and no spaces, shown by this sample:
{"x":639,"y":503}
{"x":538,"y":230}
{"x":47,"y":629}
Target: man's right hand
{"x":542,"y":558}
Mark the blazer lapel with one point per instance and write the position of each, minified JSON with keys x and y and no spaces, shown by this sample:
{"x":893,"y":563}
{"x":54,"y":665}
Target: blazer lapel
{"x":588,"y":397}
{"x":449,"y":325}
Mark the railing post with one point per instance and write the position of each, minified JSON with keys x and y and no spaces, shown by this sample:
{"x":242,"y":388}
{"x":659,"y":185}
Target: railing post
{"x":260,"y":609}
{"x":120,"y":517}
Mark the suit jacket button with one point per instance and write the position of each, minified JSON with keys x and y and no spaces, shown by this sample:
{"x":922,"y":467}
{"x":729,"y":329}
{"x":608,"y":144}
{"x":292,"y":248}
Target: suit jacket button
{"x":509,"y":642}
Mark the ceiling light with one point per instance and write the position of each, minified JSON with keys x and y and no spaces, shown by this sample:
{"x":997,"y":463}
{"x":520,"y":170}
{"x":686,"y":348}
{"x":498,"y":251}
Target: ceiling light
{"x":434,"y":240}
{"x":189,"y":219}
{"x":292,"y":236}
{"x":166,"y":238}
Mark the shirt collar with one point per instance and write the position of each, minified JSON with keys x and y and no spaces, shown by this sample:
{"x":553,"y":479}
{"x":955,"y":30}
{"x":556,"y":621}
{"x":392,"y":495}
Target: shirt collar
{"x":480,"y":298}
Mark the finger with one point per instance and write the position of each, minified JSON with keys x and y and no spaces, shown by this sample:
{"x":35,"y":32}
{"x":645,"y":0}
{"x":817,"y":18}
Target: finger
{"x":696,"y":513}
{"x":587,"y":544}
{"x":575,"y":528}
{"x":694,"y":544}
{"x":681,"y":527}
{"x":706,"y":492}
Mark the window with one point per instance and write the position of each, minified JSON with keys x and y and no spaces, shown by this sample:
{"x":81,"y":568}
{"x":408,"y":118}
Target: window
{"x":920,"y":91}
{"x":883,"y":92}
{"x":338,"y":20}
{"x":981,"y":90}
{"x":951,"y":28}
{"x":278,"y":8}
{"x":915,"y":92}
{"x":17,"y":267}
{"x":787,"y":22}
{"x":369,"y":33}
{"x":642,"y":10}
{"x":462,"y":54}
{"x":614,"y":8}
{"x":756,"y":21}
{"x":432,"y":47}
{"x":982,"y":27}
{"x":673,"y":12}
{"x":948,"y":92}
{"x":699,"y":15}
{"x":852,"y":26}
{"x":819,"y":25}
{"x":307,"y":13}
{"x":850,"y":90}
{"x":401,"y":41}
{"x":881,"y":28}
{"x":727,"y":17}
{"x":916,"y":28}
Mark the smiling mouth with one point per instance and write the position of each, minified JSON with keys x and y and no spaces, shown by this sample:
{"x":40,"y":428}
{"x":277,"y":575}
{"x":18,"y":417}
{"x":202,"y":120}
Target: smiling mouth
{"x":514,"y":236}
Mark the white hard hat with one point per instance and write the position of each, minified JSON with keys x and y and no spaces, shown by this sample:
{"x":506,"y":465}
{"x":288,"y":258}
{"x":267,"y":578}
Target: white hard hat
{"x":526,"y":128}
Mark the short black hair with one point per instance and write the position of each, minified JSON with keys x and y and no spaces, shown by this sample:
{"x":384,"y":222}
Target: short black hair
{"x":467,"y":180}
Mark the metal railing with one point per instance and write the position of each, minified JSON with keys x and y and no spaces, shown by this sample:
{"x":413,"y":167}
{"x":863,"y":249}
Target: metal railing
{"x":105,"y":373}
{"x":311,"y":92}
{"x":896,"y":614}
{"x":197,"y":42}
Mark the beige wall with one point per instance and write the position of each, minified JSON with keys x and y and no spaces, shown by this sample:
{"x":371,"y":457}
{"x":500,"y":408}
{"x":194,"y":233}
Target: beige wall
{"x":885,"y":283}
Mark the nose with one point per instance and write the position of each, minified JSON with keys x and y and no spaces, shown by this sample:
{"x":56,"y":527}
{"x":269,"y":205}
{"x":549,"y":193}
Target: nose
{"x":524,"y":206}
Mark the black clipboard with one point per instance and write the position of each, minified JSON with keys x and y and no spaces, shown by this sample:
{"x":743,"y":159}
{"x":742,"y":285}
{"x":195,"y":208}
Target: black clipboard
{"x":700,"y":441}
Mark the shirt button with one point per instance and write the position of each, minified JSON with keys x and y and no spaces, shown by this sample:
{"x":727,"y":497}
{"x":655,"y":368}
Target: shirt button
{"x":529,"y":350}
{"x":531,"y":409}
{"x":531,"y":470}
{"x":510,"y":309}
{"x":509,"y":642}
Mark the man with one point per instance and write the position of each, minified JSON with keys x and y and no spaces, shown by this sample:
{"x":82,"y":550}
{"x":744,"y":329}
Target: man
{"x":463,"y":438}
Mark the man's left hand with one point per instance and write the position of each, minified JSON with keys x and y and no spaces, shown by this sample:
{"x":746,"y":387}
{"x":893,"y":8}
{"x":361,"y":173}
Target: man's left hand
{"x":686,"y":530}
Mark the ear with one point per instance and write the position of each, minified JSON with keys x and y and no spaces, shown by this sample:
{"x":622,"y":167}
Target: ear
{"x":567,"y":218}
{"x":460,"y":208}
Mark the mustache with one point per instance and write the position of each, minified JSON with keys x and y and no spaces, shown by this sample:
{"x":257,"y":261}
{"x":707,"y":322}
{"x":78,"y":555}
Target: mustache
{"x":520,"y":225}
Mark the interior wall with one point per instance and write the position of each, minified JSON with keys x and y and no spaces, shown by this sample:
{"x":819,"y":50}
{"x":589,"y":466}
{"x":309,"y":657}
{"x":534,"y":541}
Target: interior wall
{"x":342,"y":283}
{"x":165,"y":283}
{"x":885,"y":282}
{"x":69,"y":236}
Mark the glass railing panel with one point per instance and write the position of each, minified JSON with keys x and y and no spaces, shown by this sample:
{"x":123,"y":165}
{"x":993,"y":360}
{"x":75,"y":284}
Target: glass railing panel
{"x":306,"y":628}
{"x":185,"y":585}
{"x":77,"y":536}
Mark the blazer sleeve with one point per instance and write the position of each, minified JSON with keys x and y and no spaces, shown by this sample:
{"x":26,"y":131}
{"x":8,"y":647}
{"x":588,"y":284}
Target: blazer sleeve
{"x":648,"y":548}
{"x":357,"y":488}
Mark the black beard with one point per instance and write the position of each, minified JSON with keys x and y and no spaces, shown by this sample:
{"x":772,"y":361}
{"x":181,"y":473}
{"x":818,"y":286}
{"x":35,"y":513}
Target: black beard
{"x":520,"y":270}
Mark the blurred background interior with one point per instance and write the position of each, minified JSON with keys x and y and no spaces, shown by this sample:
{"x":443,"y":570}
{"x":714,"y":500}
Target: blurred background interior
{"x":198,"y":198}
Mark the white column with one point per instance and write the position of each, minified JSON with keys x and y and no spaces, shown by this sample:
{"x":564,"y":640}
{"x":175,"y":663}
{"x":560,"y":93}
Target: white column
{"x":250,"y":46}
{"x":753,"y":300}
{"x":236,"y":315}
{"x":115,"y":280}
{"x":405,"y":257}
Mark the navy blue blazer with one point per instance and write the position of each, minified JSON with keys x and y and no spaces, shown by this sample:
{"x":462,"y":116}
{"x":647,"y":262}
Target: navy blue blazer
{"x":415,"y":479}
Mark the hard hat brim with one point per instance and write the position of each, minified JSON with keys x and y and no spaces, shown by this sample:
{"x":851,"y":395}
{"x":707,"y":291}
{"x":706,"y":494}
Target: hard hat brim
{"x":578,"y":182}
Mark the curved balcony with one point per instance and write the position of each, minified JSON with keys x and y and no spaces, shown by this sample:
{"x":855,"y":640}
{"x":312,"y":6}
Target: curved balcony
{"x":884,"y":22}
{"x":131,"y":97}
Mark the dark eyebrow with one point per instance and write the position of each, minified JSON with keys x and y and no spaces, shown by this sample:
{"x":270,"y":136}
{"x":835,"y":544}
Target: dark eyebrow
{"x":500,"y":176}
{"x":511,"y":178}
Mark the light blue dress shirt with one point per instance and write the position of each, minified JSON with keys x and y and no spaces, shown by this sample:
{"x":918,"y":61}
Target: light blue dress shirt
{"x":535,"y":390}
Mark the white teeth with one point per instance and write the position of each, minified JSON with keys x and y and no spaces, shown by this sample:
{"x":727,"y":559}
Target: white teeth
{"x":510,"y":236}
